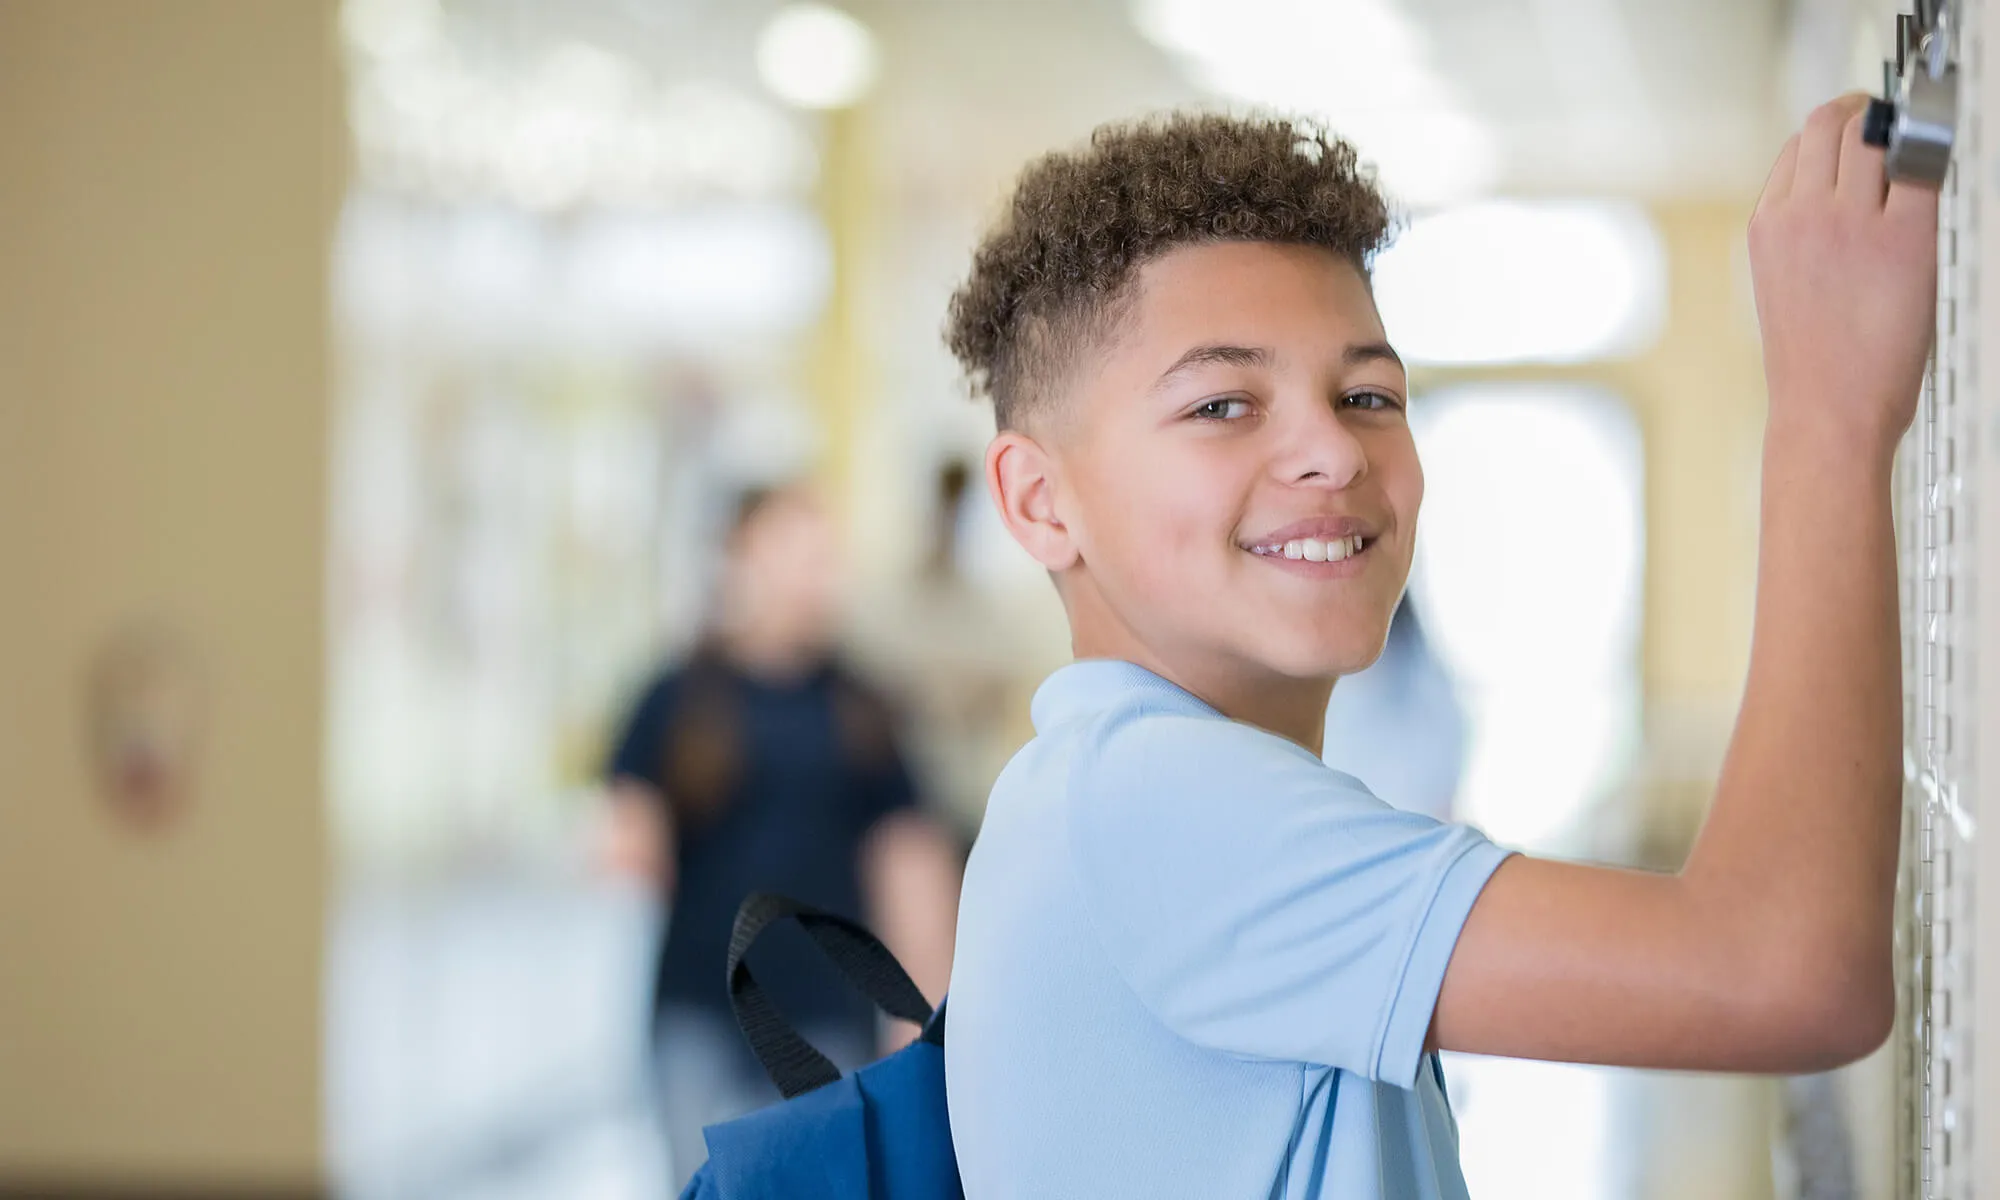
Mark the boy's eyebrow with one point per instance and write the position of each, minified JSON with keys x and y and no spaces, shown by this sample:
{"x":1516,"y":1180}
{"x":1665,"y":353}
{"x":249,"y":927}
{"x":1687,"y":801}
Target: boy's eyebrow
{"x":1215,"y":352}
{"x":1362,"y":352}
{"x":1259,"y":356}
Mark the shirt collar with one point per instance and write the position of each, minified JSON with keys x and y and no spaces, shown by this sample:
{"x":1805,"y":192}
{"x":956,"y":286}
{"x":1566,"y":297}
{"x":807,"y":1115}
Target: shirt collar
{"x":1093,"y":685}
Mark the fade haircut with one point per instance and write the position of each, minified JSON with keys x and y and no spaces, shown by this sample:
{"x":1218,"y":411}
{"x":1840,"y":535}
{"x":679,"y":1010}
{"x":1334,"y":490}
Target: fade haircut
{"x":1052,"y":277}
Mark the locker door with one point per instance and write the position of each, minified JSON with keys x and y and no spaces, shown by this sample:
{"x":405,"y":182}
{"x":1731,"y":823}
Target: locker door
{"x":1944,"y":546}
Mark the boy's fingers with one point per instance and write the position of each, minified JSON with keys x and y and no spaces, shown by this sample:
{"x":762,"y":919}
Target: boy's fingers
{"x":1914,"y":203}
{"x":1779,"y":184}
{"x":1863,"y":174}
{"x":1819,"y":144}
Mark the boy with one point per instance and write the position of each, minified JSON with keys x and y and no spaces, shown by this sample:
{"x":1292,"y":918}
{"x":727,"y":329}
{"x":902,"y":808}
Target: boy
{"x":1195,"y":961}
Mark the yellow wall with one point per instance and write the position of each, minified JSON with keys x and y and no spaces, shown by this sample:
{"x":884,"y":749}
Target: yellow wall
{"x":839,"y":369}
{"x":168,"y":179}
{"x":1701,"y":403}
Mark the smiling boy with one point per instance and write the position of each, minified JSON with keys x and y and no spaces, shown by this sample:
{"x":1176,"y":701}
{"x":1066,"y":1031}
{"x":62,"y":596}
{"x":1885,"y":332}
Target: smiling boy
{"x":1193,"y":960}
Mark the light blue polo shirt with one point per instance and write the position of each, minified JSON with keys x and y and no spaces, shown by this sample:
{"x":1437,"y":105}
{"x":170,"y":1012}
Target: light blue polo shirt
{"x":1194,"y":960}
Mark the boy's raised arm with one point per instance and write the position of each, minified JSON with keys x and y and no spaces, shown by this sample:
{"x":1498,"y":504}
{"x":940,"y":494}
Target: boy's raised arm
{"x":1770,"y":951}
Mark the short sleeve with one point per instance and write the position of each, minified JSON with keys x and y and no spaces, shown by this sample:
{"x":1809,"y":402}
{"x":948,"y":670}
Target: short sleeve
{"x":637,"y":751}
{"x":1262,"y":904}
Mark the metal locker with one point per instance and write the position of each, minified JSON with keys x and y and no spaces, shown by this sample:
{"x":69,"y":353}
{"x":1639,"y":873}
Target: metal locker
{"x":1945,"y":548}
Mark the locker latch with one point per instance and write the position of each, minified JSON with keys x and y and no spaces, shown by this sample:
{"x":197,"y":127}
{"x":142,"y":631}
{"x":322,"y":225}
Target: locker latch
{"x":1918,"y":111}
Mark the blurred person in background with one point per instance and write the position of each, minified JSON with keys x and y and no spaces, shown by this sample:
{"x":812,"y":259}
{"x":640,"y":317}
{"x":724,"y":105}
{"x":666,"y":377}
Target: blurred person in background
{"x":762,"y":763}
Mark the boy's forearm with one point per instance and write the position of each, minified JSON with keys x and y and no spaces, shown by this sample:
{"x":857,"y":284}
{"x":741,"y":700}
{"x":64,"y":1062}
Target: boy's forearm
{"x":1799,"y":851}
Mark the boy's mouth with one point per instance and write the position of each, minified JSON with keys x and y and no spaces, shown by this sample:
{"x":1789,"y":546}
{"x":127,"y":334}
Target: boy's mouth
{"x":1316,"y":540}
{"x":1316,"y":550}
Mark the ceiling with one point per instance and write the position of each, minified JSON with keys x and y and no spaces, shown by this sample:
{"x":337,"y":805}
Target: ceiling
{"x":1651,"y":98}
{"x":1636,"y":97}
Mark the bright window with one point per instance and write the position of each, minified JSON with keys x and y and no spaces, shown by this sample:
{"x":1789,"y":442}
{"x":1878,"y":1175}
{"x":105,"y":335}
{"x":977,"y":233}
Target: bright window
{"x":1518,"y":282}
{"x":1532,"y":556}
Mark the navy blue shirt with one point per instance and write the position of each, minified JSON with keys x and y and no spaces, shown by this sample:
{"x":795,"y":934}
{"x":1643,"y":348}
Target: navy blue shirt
{"x":773,"y":786}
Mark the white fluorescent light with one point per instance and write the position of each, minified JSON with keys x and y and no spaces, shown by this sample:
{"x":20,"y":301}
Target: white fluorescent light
{"x":1518,"y":282}
{"x":816,"y":56}
{"x":1358,"y":65}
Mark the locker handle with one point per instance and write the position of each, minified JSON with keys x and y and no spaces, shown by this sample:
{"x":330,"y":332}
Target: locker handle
{"x":1916,"y":117}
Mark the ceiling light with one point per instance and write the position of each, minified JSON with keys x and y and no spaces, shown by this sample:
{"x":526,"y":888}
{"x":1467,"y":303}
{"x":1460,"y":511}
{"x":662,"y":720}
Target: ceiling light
{"x":816,"y":56}
{"x":1359,"y":66}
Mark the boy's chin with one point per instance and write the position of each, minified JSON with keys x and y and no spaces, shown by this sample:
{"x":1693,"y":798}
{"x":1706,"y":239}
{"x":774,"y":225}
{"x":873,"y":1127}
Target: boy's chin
{"x":1322,"y":661}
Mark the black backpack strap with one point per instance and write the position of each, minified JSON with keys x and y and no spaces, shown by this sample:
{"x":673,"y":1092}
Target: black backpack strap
{"x":791,"y":1061}
{"x":934,"y":1029}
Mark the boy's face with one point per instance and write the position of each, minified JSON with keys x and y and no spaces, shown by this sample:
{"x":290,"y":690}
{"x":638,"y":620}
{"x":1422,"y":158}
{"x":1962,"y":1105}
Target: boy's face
{"x":1247,"y":410}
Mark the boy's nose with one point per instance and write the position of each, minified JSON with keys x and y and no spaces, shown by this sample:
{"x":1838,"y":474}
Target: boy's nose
{"x":1322,"y":451}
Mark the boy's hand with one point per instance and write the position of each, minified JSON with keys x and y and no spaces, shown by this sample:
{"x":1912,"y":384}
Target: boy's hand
{"x":1845,"y":265}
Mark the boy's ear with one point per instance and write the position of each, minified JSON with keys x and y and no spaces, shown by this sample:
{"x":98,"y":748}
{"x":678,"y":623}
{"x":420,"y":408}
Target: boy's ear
{"x":1022,"y":477}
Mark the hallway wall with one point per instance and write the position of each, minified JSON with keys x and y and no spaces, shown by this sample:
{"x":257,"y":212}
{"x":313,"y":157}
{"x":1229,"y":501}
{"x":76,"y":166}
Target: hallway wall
{"x":169,"y":176}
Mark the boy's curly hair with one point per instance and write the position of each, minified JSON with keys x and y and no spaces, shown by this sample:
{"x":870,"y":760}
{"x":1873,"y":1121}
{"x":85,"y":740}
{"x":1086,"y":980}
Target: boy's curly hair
{"x":1052,"y":274}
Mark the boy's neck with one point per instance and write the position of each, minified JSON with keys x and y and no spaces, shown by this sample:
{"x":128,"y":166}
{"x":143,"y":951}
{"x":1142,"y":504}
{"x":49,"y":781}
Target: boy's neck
{"x":1292,"y":708}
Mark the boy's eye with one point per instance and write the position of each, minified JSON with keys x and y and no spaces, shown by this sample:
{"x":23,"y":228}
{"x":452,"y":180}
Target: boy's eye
{"x":1373,"y":401}
{"x":1220,"y":409}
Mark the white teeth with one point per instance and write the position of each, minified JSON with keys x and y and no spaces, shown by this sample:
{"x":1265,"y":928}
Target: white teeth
{"x":1313,"y":549}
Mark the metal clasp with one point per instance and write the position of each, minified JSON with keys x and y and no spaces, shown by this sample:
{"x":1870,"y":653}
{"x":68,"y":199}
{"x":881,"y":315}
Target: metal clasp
{"x":1917,"y":115}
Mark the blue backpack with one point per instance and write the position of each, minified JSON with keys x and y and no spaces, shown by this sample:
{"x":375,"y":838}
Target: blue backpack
{"x":878,"y":1134}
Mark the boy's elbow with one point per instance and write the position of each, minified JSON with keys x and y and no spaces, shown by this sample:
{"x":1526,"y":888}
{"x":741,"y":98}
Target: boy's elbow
{"x":1857,"y":1026}
{"x":1837,"y":1015}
